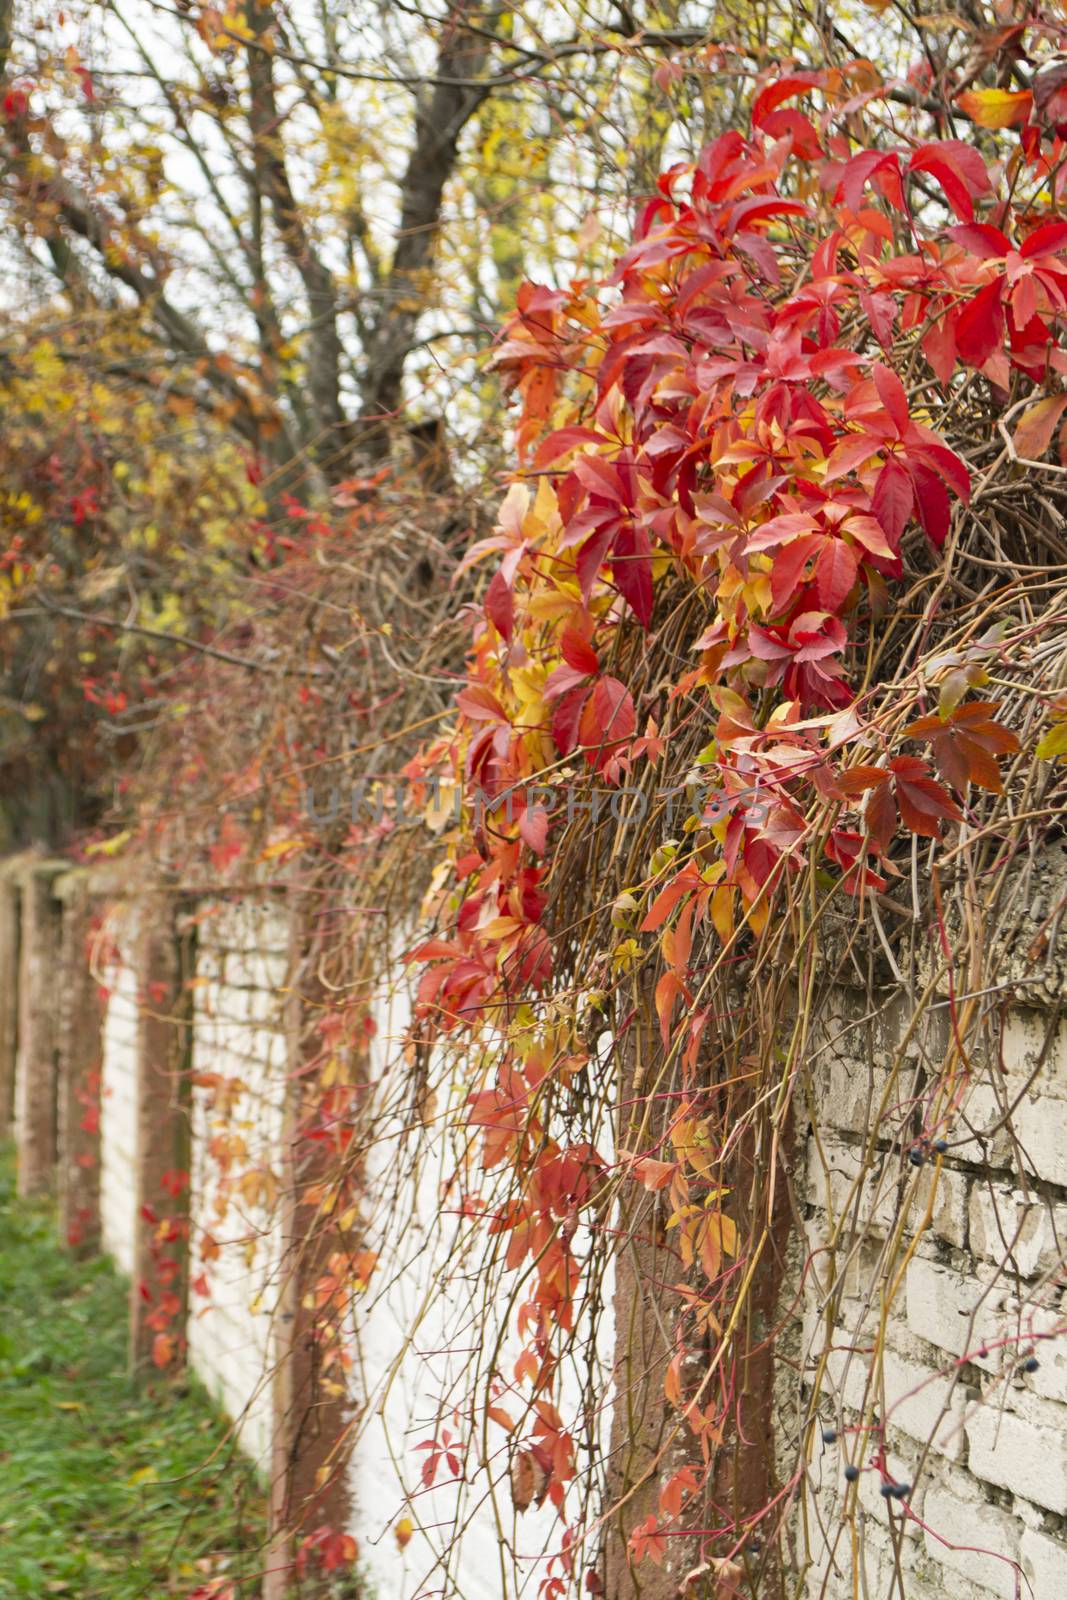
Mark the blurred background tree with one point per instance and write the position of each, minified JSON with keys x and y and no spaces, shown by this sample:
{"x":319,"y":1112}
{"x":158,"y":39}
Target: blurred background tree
{"x":253,"y":254}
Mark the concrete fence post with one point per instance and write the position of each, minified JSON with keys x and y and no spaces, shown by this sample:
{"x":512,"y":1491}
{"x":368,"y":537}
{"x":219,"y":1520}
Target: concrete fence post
{"x":159,"y":1283}
{"x":35,"y":1087}
{"x":83,"y":1007}
{"x":646,"y":1443}
{"x":310,"y":1407}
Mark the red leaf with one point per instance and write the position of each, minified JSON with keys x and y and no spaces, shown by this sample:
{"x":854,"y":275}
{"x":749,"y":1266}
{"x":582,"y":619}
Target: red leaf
{"x":979,"y":327}
{"x":923,"y":803}
{"x":600,"y":477}
{"x":338,"y":1550}
{"x":932,"y":501}
{"x":566,"y":718}
{"x":835,"y":573}
{"x":880,"y":815}
{"x":591,"y":557}
{"x":578,"y":652}
{"x":958,"y":168}
{"x":1049,"y":239}
{"x":849,"y":453}
{"x":939,"y":347}
{"x":982,"y":240}
{"x":607,"y":718}
{"x":647,"y":1540}
{"x":533,"y":826}
{"x":653,"y":1174}
{"x":948,"y":464}
{"x":788,"y":568}
{"x":776,"y":93}
{"x":892,"y":500}
{"x":891,"y":394}
{"x":966,"y":744}
{"x":632,"y":567}
{"x":673,"y":1491}
{"x":868,"y":166}
{"x":500,"y":606}
{"x":562,"y":441}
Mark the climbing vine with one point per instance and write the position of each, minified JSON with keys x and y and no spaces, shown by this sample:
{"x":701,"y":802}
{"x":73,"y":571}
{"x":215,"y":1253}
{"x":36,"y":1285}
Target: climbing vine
{"x":731,"y":583}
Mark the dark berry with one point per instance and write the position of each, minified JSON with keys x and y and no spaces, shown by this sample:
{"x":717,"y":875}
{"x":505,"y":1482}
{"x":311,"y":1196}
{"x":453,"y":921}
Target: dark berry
{"x":900,"y":1491}
{"x":851,"y":1474}
{"x":829,"y":1435}
{"x":887,"y":1490}
{"x":916,"y":1158}
{"x":1031,"y":1364}
{"x":941,"y":1145}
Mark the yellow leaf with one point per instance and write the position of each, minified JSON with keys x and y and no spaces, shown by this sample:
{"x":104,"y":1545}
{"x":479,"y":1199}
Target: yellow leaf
{"x":996,"y":108}
{"x":693,"y":1142}
{"x":758,"y":915}
{"x":1053,"y":744}
{"x":625,"y":955}
{"x":108,"y":847}
{"x":722,"y":913}
{"x":1035,"y":427}
{"x":259,"y":1188}
{"x":281,"y":847}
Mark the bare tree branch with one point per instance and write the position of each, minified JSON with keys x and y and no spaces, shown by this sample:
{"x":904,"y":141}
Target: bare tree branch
{"x":440,"y":118}
{"x":268,"y":153}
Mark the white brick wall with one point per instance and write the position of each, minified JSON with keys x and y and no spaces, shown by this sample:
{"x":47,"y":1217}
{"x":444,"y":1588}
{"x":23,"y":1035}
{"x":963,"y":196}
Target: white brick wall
{"x":457,"y":1334}
{"x":238,"y":1036}
{"x":983,"y":1441}
{"x":118,"y":1102}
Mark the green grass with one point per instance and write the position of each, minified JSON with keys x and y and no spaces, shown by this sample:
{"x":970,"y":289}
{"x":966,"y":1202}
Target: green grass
{"x":107,"y":1491}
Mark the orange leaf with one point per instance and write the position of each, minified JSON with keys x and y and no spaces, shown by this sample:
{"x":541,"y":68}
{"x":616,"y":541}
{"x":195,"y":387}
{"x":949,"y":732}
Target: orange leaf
{"x":647,"y":1540}
{"x":1034,"y":430}
{"x":654,"y":1174}
{"x":667,"y":991}
{"x":667,"y":899}
{"x":680,"y":1484}
{"x":996,"y":108}
{"x":163,"y":1348}
{"x":857,"y":780}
